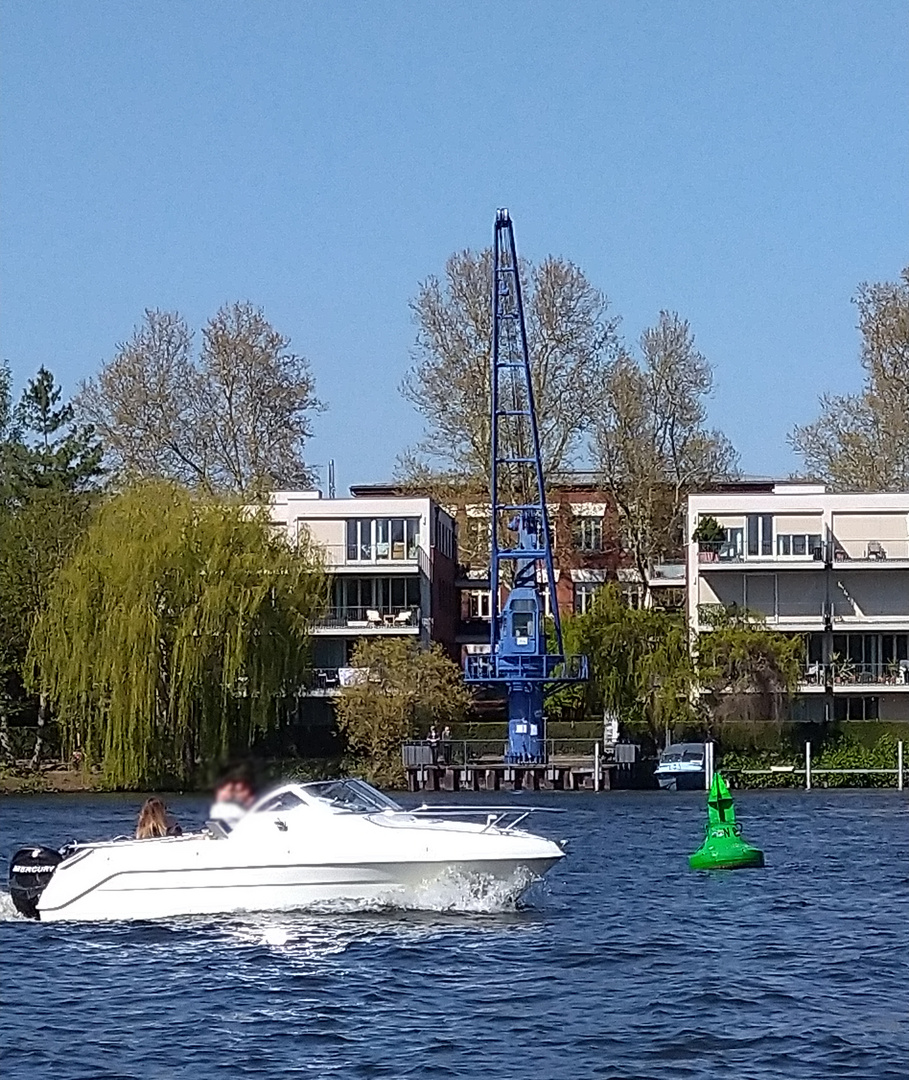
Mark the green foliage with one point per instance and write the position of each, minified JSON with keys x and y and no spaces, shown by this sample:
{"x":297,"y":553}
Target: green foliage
{"x":172,"y":633}
{"x":641,"y":667}
{"x":49,"y":469}
{"x":643,"y":671}
{"x":709,"y":531}
{"x":842,"y":753}
{"x":746,"y":671}
{"x":404,"y":690}
{"x":52,"y":451}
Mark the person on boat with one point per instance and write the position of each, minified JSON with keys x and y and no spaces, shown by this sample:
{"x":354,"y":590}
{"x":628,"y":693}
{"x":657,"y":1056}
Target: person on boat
{"x":154,"y":821}
{"x":233,"y":797}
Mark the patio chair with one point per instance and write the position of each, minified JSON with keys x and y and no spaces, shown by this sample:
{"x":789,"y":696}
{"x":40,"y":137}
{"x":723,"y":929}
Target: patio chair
{"x":373,"y":617}
{"x":875,"y":550}
{"x":403,"y":618}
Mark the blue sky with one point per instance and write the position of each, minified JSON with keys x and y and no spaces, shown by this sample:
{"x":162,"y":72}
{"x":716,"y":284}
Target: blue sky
{"x":742,"y":163}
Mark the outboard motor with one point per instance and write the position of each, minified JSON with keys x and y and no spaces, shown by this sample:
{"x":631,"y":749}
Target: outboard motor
{"x":30,"y":870}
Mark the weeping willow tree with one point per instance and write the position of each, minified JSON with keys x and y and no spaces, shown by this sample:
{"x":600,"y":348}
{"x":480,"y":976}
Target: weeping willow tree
{"x":641,"y":666}
{"x":173,"y":633}
{"x":747,"y":672}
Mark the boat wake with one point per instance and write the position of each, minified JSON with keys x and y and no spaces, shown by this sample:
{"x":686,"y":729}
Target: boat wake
{"x":453,"y":892}
{"x":8,"y":911}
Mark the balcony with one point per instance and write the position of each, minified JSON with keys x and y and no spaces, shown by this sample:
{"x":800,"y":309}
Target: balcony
{"x":369,"y":620}
{"x":844,"y":673}
{"x":719,"y":556}
{"x":328,"y":681}
{"x":873,"y":554}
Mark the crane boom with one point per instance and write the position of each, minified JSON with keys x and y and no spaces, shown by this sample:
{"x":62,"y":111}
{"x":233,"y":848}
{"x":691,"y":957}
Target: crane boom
{"x":520,"y":532}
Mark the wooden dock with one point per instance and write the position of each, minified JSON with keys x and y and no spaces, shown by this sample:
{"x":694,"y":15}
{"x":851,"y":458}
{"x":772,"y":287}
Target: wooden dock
{"x":469,"y":766}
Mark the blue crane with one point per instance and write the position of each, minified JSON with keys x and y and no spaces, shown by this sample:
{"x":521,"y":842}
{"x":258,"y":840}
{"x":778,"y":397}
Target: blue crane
{"x":521,"y":541}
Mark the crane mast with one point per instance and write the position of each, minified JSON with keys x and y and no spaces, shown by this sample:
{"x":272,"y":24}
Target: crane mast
{"x":520,"y":533}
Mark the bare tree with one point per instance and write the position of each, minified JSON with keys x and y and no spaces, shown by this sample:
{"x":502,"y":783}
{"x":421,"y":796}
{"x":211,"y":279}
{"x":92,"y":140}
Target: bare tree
{"x":236,"y":417}
{"x":860,"y":442}
{"x":651,"y":440}
{"x":572,"y":341}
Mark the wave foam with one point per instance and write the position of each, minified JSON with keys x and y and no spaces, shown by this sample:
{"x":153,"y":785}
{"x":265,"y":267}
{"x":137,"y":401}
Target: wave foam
{"x":8,"y":911}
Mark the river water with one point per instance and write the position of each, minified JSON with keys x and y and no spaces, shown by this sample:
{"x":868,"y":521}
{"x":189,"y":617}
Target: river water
{"x":625,"y":964}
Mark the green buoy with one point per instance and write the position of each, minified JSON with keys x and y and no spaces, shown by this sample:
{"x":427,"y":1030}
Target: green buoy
{"x":723,"y":847}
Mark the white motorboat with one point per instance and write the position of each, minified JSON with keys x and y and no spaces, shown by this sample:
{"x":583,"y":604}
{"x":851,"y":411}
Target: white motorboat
{"x":681,"y":767}
{"x":300,"y":845}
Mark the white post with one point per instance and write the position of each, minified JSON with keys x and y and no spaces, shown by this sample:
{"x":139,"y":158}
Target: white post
{"x":899,"y":765}
{"x":596,"y":765}
{"x":807,"y":766}
{"x":708,"y":765}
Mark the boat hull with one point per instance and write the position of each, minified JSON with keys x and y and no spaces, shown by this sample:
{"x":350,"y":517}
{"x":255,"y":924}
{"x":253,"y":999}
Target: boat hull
{"x":682,"y":781}
{"x":212,"y":891}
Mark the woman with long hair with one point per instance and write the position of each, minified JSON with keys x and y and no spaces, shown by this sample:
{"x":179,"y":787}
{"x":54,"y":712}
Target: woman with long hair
{"x":154,"y":821}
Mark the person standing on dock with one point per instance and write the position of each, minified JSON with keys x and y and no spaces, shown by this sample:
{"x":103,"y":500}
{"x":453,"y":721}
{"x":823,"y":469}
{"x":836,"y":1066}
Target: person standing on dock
{"x":433,"y":740}
{"x":446,"y":745}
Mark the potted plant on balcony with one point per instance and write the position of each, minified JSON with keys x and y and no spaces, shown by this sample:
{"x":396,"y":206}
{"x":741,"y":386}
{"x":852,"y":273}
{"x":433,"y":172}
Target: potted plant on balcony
{"x":710,"y":537}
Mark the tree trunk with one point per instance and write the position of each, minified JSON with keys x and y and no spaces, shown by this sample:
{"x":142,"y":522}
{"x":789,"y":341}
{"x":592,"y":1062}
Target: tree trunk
{"x":39,"y":738}
{"x":6,"y":749}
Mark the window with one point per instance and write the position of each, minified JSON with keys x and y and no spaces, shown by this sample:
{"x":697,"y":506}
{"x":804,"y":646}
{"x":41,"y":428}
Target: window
{"x":584,"y":592}
{"x":359,"y":540}
{"x":352,"y":596}
{"x":522,"y":620}
{"x":479,"y":604}
{"x":856,"y":708}
{"x":588,"y":533}
{"x":382,"y":539}
{"x":759,"y":528}
{"x":735,"y":541}
{"x":801,"y":544}
{"x":445,"y":540}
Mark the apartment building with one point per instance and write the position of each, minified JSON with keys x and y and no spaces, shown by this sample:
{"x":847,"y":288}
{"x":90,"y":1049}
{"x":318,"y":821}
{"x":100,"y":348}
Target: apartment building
{"x":392,"y":566}
{"x":587,"y":550}
{"x":833,"y":568}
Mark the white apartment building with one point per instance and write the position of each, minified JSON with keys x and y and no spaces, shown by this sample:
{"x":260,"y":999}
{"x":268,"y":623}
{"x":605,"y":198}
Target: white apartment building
{"x":391,"y":563}
{"x":833,"y":568}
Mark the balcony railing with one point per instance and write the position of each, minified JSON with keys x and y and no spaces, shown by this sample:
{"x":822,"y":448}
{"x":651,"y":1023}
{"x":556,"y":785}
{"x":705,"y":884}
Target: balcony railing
{"x":718,"y":552}
{"x":845,"y":673}
{"x":872,"y":552}
{"x":329,"y":680}
{"x":369,"y":618}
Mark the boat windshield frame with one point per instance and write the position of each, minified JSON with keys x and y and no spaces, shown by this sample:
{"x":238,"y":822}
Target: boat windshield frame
{"x":351,"y":796}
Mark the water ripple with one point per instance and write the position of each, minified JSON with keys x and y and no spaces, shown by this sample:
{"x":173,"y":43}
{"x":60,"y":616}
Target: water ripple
{"x":625,"y":965}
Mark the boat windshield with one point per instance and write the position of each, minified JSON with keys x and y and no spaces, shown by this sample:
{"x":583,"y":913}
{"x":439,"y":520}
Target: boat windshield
{"x":354,"y":795}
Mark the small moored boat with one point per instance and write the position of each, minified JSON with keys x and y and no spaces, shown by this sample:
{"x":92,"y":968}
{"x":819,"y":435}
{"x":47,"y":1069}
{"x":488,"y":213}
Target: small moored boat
{"x":681,"y":767}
